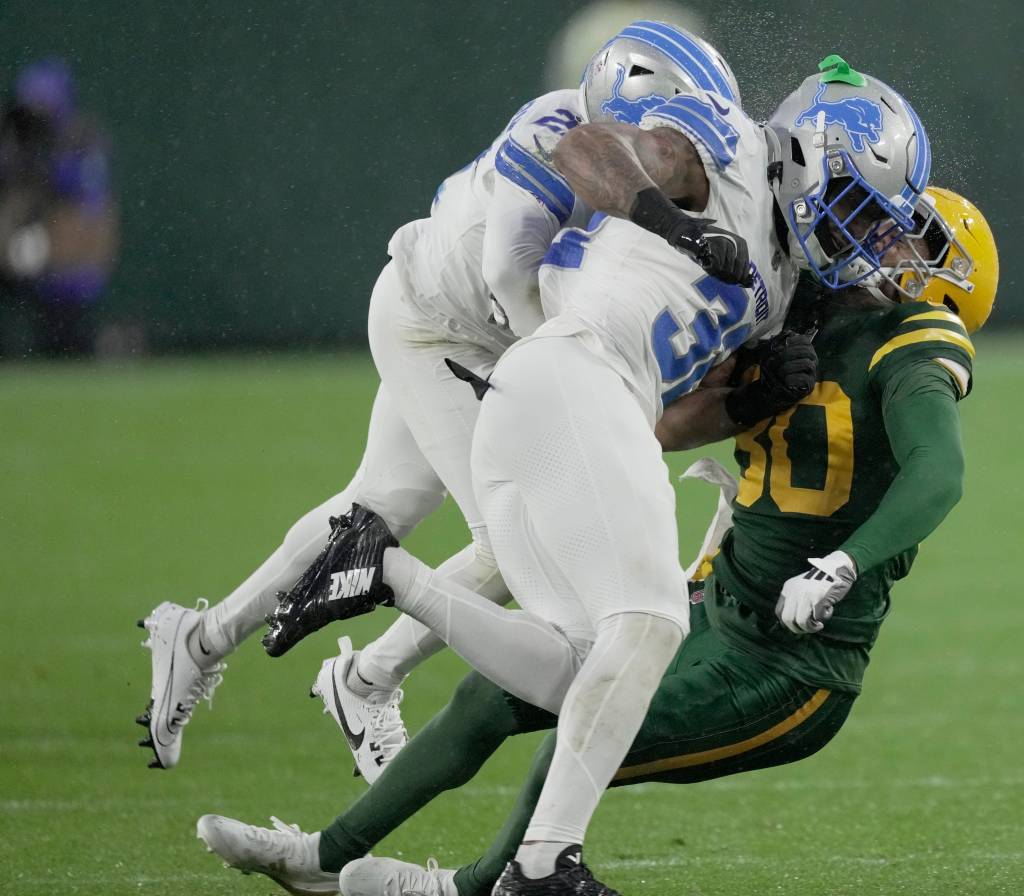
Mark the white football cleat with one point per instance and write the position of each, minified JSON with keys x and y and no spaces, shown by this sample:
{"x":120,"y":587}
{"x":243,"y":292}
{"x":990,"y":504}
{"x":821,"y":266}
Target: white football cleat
{"x":286,"y":855}
{"x":371,"y":725}
{"x":178,"y":681}
{"x":390,"y":877}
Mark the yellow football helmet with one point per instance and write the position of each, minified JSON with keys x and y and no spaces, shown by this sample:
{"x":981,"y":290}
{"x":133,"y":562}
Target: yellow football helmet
{"x":954,"y":258}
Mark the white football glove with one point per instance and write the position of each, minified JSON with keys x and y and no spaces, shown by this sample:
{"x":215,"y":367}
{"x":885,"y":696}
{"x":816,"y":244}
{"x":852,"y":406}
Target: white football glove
{"x":807,"y":600}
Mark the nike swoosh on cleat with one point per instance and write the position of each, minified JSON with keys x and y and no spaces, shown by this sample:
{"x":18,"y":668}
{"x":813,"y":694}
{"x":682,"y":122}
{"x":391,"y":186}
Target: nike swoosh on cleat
{"x":354,"y":741}
{"x":163,"y":725}
{"x":202,"y":646}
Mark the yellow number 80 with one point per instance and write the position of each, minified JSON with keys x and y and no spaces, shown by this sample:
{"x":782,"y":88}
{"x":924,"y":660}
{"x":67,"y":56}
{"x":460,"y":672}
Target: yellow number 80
{"x":791,"y":498}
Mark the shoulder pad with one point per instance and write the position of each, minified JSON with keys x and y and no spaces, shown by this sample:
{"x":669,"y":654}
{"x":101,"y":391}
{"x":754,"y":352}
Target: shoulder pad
{"x":524,"y":157}
{"x":711,"y":123}
{"x":917,"y":330}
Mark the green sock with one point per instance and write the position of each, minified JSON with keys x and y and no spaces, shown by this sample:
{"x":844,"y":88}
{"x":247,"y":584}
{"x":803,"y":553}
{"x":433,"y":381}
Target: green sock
{"x":478,"y":878}
{"x":444,"y":755}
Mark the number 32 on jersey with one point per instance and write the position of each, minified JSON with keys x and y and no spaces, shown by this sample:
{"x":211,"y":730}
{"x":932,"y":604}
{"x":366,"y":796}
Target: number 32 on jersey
{"x":686,"y":351}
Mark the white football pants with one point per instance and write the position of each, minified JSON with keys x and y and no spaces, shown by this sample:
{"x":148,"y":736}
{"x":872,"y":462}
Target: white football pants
{"x":417,"y":449}
{"x":581,"y":514}
{"x":573,"y":489}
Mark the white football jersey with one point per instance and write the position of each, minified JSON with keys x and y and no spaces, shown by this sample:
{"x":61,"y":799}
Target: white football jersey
{"x":440,"y":259}
{"x":653,"y":312}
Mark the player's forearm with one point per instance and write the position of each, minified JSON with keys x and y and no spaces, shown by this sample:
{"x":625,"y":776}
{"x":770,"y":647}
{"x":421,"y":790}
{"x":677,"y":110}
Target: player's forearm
{"x":924,"y":431}
{"x":697,"y":419}
{"x":608,"y":164}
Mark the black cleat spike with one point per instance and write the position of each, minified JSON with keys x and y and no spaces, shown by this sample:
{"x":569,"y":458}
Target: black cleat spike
{"x":144,"y":719}
{"x":141,"y":623}
{"x":146,"y":742}
{"x":156,"y":763}
{"x":356,"y":773}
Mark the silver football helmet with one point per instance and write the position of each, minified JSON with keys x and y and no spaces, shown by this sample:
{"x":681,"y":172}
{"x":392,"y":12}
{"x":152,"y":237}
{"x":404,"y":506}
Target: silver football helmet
{"x":851,"y":162}
{"x":646,"y":64}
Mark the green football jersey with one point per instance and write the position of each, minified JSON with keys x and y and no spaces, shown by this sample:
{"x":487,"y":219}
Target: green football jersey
{"x":813,"y":474}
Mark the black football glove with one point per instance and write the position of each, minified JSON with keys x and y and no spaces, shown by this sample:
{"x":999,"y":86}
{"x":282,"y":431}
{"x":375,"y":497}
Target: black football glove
{"x":789,"y":370}
{"x":720,"y":252}
{"x":725,"y":255}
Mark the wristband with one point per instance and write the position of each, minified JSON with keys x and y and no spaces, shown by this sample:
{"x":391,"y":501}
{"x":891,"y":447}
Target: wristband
{"x":656,"y":213}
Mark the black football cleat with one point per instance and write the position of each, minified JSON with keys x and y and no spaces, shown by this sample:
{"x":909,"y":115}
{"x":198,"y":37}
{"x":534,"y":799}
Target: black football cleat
{"x":346,"y":580}
{"x":570,"y":878}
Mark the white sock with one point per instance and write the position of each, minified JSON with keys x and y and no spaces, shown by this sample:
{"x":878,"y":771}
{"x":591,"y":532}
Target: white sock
{"x":407,"y":643}
{"x":600,"y":717}
{"x":537,"y":858}
{"x":519,"y":652}
{"x":199,"y":649}
{"x":228,"y":623}
{"x":361,"y":684}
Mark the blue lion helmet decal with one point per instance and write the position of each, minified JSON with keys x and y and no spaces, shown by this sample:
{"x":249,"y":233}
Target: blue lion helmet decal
{"x":628,"y":111}
{"x":857,"y":115}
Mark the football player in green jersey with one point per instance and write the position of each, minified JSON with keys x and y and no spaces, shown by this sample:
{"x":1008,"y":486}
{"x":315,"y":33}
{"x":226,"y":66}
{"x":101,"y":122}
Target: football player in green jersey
{"x":835,"y":494}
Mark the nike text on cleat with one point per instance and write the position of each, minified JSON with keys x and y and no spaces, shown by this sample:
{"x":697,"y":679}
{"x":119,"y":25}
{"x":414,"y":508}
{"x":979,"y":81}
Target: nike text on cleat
{"x":372,"y":725}
{"x":178,"y":683}
{"x":285,"y":854}
{"x":570,"y":876}
{"x":345,"y":580}
{"x":351,"y":583}
{"x":389,"y":877}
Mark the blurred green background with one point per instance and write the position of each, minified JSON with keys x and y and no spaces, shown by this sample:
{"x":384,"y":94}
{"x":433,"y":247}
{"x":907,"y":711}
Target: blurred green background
{"x":265,"y":151}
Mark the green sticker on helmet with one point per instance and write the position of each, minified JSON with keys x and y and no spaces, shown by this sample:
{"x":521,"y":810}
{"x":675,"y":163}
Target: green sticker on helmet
{"x":835,"y":69}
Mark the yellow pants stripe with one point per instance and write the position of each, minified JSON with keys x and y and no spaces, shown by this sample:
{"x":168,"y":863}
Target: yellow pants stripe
{"x":744,"y":746}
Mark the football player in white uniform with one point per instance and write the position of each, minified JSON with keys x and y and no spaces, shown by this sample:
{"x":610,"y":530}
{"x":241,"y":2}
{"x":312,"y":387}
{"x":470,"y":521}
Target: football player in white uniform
{"x":566,"y":467}
{"x":462,"y":285}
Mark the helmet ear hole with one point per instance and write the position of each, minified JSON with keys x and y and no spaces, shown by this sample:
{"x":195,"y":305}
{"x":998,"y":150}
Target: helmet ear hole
{"x":936,"y":242}
{"x":798,"y":152}
{"x":947,"y":300}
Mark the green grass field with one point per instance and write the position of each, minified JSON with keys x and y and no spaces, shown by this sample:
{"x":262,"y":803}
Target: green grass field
{"x":125,"y":486}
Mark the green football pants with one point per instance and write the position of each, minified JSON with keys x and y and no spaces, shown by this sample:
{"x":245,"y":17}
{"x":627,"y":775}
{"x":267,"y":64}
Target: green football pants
{"x":717,"y":712}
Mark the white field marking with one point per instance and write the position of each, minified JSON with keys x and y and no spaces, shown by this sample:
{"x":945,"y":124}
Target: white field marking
{"x":91,"y":805}
{"x":775,"y":861}
{"x":614,"y":864}
{"x":104,"y":880}
{"x":934,"y":782}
